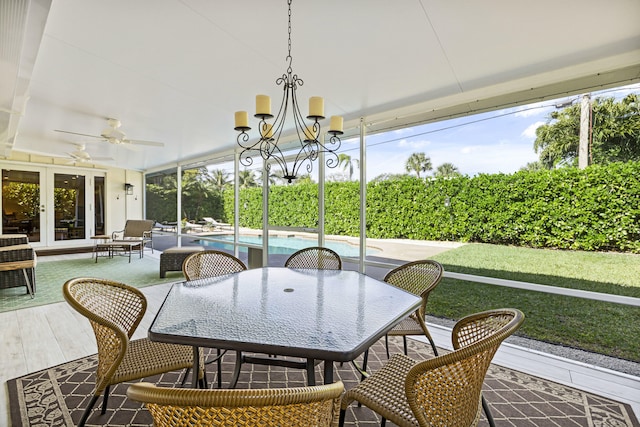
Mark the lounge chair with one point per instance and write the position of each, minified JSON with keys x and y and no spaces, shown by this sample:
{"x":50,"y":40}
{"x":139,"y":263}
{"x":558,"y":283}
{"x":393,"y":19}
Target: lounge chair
{"x":212,"y":223}
{"x":165,"y":228}
{"x":192,"y":227}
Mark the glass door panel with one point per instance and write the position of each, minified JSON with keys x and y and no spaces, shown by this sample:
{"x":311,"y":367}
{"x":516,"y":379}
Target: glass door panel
{"x":69,"y":207}
{"x":98,"y":202}
{"x":21,"y":204}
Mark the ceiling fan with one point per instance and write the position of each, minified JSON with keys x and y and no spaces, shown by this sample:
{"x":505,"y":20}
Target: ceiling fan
{"x":81,"y":156}
{"x":114,"y":135}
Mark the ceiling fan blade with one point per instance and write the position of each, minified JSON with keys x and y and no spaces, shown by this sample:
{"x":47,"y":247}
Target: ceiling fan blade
{"x":140,"y":142}
{"x":115,"y":136}
{"x":128,"y":146}
{"x":102,"y":159}
{"x":76,"y":133}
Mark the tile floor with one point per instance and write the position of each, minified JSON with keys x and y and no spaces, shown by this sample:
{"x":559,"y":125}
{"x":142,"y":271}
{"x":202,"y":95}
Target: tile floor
{"x":39,"y":337}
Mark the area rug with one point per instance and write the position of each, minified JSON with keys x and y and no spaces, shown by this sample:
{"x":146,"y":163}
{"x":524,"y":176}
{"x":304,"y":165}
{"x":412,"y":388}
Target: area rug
{"x":57,"y":396}
{"x":51,"y":275}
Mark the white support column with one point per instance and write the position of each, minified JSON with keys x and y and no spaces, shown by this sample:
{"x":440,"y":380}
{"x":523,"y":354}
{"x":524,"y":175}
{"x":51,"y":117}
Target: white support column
{"x":363,"y":196}
{"x":321,"y":204}
{"x":179,"y":204}
{"x":236,"y":202}
{"x":265,"y":215}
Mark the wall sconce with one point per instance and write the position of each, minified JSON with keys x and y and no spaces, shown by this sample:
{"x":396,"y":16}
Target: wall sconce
{"x":128,"y":189}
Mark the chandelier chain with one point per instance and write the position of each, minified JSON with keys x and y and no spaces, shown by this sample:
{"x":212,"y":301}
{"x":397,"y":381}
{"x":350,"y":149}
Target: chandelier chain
{"x":289,"y":57}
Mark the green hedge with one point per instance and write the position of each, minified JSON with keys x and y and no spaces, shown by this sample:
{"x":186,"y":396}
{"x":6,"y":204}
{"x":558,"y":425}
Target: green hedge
{"x":595,"y":209}
{"x":161,"y":204}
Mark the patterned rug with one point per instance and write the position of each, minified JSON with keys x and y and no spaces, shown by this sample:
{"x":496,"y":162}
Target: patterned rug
{"x":51,"y":275}
{"x":57,"y":396}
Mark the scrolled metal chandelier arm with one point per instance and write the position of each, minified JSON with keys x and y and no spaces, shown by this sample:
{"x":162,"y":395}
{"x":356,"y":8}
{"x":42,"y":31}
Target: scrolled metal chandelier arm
{"x":269,"y":134}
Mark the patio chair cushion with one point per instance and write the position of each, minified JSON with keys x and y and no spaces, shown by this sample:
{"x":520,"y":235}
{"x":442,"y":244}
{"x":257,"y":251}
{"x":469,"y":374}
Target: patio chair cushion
{"x":13,"y":239}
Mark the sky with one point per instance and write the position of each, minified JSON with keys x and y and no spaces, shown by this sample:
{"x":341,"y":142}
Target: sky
{"x":493,"y":142}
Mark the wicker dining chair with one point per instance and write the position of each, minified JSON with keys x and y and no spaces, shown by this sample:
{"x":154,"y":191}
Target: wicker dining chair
{"x":204,"y":264}
{"x":419,"y":278}
{"x":115,"y":311}
{"x":296,"y":406}
{"x":445,"y":390}
{"x":315,"y":257}
{"x":200,"y":265}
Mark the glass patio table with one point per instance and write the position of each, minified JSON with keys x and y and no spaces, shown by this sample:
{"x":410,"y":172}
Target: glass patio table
{"x":317,"y":315}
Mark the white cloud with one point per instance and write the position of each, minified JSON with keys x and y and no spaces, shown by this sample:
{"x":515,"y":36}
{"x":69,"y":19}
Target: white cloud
{"x":530,"y":131}
{"x":469,"y":149}
{"x":414,"y":145}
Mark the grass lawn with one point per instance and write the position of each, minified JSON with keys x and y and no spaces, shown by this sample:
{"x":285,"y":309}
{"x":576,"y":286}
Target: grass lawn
{"x":606,"y":328}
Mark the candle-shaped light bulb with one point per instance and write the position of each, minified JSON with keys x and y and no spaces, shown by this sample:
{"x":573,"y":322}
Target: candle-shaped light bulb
{"x":309,"y":133}
{"x":263,"y":105}
{"x":267,"y":131}
{"x":242,"y":119}
{"x":336,"y":124}
{"x":316,"y":106}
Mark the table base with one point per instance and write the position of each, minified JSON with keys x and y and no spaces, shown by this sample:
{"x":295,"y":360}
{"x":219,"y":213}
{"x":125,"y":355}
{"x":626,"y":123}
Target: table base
{"x":308,"y":365}
{"x":101,"y":238}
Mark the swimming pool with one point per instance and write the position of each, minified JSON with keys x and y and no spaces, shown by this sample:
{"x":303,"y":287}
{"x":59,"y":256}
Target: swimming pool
{"x":286,"y":245}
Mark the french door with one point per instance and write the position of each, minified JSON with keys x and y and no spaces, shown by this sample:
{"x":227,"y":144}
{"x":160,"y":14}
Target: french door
{"x":53,"y":206}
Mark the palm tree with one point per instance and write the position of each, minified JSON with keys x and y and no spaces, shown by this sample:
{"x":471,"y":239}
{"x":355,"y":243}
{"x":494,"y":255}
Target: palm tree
{"x":348,"y":163}
{"x":418,"y":162}
{"x":195,"y":189}
{"x":276,"y":177}
{"x":447,"y":170}
{"x":247,"y":179}
{"x":220,"y":179}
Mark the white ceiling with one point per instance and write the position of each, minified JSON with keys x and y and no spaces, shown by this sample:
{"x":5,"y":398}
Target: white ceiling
{"x":176,"y":71}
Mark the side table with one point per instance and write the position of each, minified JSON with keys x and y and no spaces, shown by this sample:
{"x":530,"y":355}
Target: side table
{"x":103,"y":238}
{"x":117,"y":247}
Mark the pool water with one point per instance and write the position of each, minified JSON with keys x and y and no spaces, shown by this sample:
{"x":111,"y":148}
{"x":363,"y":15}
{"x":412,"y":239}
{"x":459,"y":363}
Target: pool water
{"x":286,"y":245}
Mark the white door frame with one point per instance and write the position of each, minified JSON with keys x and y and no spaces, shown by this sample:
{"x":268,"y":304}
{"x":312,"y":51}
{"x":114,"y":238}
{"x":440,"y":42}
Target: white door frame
{"x":47,"y":211}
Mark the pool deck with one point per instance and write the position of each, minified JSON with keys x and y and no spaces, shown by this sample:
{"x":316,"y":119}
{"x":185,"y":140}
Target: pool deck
{"x":410,"y":250}
{"x":390,"y":249}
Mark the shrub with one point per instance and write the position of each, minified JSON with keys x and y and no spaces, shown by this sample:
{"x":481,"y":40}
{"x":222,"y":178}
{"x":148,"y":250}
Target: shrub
{"x":594,"y":209}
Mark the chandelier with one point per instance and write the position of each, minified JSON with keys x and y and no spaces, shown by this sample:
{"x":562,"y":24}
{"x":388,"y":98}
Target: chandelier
{"x":308,"y":134}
